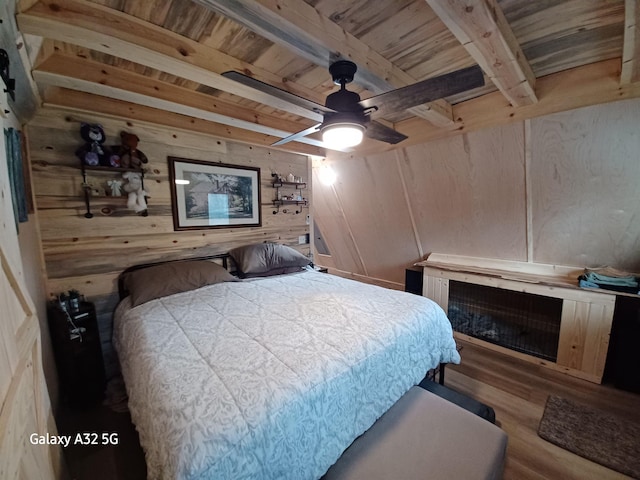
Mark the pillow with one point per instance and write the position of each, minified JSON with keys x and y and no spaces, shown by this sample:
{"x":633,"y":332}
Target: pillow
{"x":174,"y":277}
{"x":264,"y":259}
{"x":275,"y":271}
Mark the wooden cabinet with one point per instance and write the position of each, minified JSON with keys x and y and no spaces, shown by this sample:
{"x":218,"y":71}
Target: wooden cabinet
{"x":585,"y":319}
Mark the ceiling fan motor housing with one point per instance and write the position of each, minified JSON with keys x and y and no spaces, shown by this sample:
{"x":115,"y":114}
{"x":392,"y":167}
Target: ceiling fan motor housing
{"x":347,"y":109}
{"x":356,"y":118}
{"x":342,"y":71}
{"x":343,"y":101}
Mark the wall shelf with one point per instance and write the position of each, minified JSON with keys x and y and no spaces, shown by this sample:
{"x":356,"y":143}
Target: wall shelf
{"x":102,"y":169}
{"x":281,"y":201}
{"x":289,"y":202}
{"x":297,"y":185}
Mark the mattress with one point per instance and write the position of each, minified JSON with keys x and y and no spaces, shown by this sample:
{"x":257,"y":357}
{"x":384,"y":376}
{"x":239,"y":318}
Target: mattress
{"x":271,"y":378}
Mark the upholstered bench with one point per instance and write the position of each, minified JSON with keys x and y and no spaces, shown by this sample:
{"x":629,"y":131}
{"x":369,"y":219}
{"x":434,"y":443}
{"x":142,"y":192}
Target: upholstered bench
{"x":425,"y":437}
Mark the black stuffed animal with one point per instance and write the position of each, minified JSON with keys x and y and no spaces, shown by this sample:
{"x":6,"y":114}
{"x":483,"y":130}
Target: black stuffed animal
{"x":94,"y":152}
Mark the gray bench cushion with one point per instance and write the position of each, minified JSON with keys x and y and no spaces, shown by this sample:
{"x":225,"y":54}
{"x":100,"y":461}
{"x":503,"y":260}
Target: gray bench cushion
{"x":424,"y":437}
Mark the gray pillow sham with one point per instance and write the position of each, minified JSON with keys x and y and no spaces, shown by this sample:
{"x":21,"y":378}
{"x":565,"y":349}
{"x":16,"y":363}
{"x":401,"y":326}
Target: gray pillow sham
{"x":174,"y":277}
{"x":265,"y":259}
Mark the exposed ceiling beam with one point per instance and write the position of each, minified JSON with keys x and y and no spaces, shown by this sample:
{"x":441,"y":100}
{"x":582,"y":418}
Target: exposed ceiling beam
{"x":483,"y":30}
{"x":631,"y":49}
{"x":301,"y":28}
{"x":591,"y":84}
{"x":97,"y":78}
{"x":53,"y":79}
{"x":73,"y":100}
{"x":109,"y":31}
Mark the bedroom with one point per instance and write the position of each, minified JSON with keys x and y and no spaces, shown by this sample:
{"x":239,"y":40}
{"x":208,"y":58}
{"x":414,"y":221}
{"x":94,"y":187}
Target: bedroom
{"x":550,"y":181}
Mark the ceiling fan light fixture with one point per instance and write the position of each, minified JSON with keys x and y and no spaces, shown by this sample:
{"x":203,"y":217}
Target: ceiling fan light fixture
{"x":346,"y":118}
{"x":343,"y":134}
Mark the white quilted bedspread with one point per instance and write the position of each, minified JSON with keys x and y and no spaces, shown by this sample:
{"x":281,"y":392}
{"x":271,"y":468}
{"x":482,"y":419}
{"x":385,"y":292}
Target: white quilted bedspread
{"x":271,"y":378}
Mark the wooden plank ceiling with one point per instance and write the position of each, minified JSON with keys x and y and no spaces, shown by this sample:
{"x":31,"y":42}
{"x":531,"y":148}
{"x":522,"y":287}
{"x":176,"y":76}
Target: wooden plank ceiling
{"x":168,"y":55}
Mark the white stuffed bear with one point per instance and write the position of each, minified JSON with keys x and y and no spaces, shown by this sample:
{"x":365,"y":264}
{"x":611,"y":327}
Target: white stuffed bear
{"x":133,"y":187}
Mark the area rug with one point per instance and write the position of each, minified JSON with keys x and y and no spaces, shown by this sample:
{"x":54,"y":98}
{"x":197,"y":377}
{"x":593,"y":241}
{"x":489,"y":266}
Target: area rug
{"x":594,"y":434}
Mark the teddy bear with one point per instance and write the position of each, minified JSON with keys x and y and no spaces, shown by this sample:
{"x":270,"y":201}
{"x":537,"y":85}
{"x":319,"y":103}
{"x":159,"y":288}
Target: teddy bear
{"x":133,"y":187}
{"x":130,"y":156}
{"x":93,"y":152}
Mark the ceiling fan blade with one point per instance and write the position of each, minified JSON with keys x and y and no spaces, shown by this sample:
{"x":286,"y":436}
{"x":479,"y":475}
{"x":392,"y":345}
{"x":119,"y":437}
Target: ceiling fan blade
{"x":378,"y":131}
{"x":295,"y":136}
{"x":425,"y":91}
{"x":276,"y":92}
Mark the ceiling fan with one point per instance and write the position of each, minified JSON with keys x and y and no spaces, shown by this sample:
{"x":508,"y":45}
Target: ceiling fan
{"x":347,"y":118}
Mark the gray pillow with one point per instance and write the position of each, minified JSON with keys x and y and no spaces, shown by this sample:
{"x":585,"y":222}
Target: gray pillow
{"x":174,"y":277}
{"x":264,"y":259}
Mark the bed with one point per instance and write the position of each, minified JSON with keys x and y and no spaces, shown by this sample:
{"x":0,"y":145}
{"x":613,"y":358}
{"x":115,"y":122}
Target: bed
{"x":270,"y":377}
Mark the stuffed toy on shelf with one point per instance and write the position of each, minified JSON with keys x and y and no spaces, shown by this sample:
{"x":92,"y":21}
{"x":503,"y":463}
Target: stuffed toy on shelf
{"x":116,"y":187}
{"x":130,"y":156}
{"x":133,"y":187}
{"x":93,"y":152}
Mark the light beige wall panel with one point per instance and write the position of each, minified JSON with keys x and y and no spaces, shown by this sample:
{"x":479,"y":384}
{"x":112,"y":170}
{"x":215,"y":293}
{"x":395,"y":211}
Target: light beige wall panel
{"x":467,"y":193}
{"x":374,"y":204}
{"x":334,"y":227}
{"x":586,"y":185}
{"x":574,"y":204}
{"x":324,"y":260}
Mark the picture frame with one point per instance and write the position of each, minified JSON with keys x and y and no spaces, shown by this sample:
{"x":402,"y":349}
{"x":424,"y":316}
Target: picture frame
{"x":214,"y":195}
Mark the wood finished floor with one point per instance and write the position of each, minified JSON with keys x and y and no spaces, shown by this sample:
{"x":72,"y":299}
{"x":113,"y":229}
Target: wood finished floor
{"x":124,"y":461}
{"x":517,"y":391}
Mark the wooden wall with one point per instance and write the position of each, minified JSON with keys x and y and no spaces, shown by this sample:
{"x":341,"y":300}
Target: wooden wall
{"x":558,"y":189}
{"x":25,"y":406}
{"x":585,"y":198}
{"x":88,"y":254}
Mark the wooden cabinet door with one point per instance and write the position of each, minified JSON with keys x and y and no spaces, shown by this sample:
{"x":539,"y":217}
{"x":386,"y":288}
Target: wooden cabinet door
{"x":584,"y":335}
{"x":26,"y":409}
{"x":437,"y":289}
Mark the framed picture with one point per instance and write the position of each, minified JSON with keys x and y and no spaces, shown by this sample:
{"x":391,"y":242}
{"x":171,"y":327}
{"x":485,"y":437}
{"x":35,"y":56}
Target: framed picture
{"x":213,"y":195}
